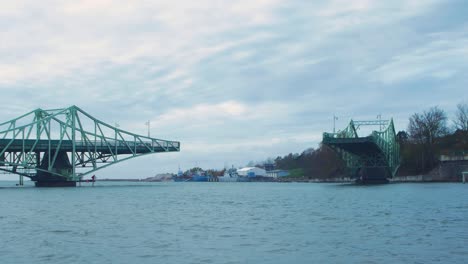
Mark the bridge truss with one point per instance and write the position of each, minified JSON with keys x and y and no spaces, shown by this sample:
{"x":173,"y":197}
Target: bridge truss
{"x":67,"y":144}
{"x":378,"y":150}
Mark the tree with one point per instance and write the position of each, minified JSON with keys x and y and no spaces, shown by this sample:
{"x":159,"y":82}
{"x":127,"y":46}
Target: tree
{"x":402,"y":136}
{"x":320,"y":163}
{"x":424,"y":129}
{"x":461,"y":117}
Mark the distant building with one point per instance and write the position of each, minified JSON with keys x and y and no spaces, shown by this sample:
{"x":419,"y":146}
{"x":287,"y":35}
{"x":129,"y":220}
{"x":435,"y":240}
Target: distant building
{"x":252,"y":172}
{"x":278,"y":173}
{"x":462,"y":156}
{"x":269,"y":166}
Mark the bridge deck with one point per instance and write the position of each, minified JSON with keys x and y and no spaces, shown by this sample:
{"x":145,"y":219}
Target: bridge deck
{"x":358,"y":146}
{"x":116,"y":147}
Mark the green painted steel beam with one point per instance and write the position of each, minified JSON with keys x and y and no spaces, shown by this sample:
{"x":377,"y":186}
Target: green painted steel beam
{"x":378,"y":150}
{"x":36,"y":139}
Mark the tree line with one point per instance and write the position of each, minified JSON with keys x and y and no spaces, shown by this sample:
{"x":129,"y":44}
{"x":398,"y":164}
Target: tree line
{"x":430,"y":135}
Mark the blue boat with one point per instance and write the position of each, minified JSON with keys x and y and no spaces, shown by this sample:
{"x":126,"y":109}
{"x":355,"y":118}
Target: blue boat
{"x":200,"y":177}
{"x":181,"y":179}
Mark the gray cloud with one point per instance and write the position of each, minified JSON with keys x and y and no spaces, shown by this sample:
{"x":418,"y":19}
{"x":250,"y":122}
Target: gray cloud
{"x":237,"y":80}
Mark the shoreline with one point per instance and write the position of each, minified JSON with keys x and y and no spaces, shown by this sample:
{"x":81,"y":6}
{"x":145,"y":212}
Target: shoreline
{"x":400,"y":179}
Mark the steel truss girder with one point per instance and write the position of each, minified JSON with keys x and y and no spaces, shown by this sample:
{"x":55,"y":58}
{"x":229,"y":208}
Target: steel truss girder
{"x":37,"y":138}
{"x":389,"y":149}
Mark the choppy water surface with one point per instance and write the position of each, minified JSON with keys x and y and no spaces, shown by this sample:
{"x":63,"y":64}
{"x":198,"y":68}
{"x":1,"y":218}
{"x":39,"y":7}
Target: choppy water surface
{"x":234,"y":223}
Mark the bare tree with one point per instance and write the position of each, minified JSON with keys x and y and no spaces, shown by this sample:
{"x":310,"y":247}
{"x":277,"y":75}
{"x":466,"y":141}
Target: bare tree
{"x":424,"y":129}
{"x":461,"y":117}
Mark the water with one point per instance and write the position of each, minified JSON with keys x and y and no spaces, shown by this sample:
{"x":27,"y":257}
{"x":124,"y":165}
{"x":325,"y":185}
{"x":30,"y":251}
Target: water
{"x":234,"y":223}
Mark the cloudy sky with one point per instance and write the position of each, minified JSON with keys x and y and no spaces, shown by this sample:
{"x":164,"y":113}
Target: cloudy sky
{"x":234,"y":81}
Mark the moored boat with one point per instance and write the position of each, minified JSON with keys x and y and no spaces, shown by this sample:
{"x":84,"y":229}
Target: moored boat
{"x":231,"y":175}
{"x":199,"y":176}
{"x":181,"y":177}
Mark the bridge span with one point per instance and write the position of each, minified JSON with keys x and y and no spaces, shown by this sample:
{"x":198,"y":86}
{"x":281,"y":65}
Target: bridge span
{"x":59,"y":147}
{"x":369,"y":159}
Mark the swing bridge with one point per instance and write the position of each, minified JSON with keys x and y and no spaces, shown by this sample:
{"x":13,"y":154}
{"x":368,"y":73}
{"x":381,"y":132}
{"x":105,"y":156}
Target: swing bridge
{"x":372,"y":158}
{"x":59,"y":147}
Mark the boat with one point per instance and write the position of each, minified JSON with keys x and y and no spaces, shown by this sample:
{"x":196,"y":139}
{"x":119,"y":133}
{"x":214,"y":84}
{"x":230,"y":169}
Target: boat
{"x":180,"y":177}
{"x":231,"y":175}
{"x":199,"y":176}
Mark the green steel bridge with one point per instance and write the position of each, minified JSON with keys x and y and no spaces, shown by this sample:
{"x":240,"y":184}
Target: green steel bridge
{"x":59,"y":147}
{"x":373,"y":158}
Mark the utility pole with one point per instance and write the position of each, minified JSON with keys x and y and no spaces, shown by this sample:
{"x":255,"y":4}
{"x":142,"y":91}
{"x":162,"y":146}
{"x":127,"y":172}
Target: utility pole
{"x":115,"y":142}
{"x":148,"y":124}
{"x":334,"y":124}
{"x":379,"y":117}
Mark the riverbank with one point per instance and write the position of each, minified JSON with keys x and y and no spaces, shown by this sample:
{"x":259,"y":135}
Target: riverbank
{"x":400,"y":179}
{"x":120,"y":180}
{"x":424,"y":178}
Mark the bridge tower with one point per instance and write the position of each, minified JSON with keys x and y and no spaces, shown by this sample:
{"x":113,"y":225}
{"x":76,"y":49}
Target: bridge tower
{"x":370,"y":159}
{"x":59,"y":147}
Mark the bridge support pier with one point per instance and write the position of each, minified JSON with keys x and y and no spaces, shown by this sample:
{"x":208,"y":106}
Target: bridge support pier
{"x":62,"y":166}
{"x":372,"y":176}
{"x":55,"y":184}
{"x":372,"y":181}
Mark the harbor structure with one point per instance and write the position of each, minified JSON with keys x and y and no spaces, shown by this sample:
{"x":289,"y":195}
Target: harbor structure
{"x":277,"y":173}
{"x":252,"y":172}
{"x":452,"y":167}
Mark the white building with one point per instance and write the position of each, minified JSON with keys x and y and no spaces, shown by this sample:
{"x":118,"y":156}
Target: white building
{"x":251,"y":172}
{"x":278,"y":173}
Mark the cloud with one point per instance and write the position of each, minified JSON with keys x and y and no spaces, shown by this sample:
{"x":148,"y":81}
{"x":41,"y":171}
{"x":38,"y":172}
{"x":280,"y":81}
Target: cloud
{"x":442,"y":57}
{"x":240,"y":80}
{"x":197,"y":113}
{"x":81,"y":35}
{"x":237,"y":120}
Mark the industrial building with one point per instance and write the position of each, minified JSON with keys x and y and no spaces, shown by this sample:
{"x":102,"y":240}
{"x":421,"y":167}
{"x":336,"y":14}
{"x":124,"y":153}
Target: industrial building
{"x":252,"y":172}
{"x":278,"y":173}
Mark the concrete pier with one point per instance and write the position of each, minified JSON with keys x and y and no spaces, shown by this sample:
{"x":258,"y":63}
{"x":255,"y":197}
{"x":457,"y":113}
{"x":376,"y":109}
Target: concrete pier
{"x":55,"y":184}
{"x":372,"y":176}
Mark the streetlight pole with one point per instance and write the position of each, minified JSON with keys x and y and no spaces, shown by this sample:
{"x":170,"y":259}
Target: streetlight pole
{"x":148,"y":124}
{"x":115,"y":142}
{"x":379,"y":117}
{"x":334,"y":123}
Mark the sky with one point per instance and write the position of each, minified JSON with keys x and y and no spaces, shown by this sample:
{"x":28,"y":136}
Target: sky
{"x":233,"y":81}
